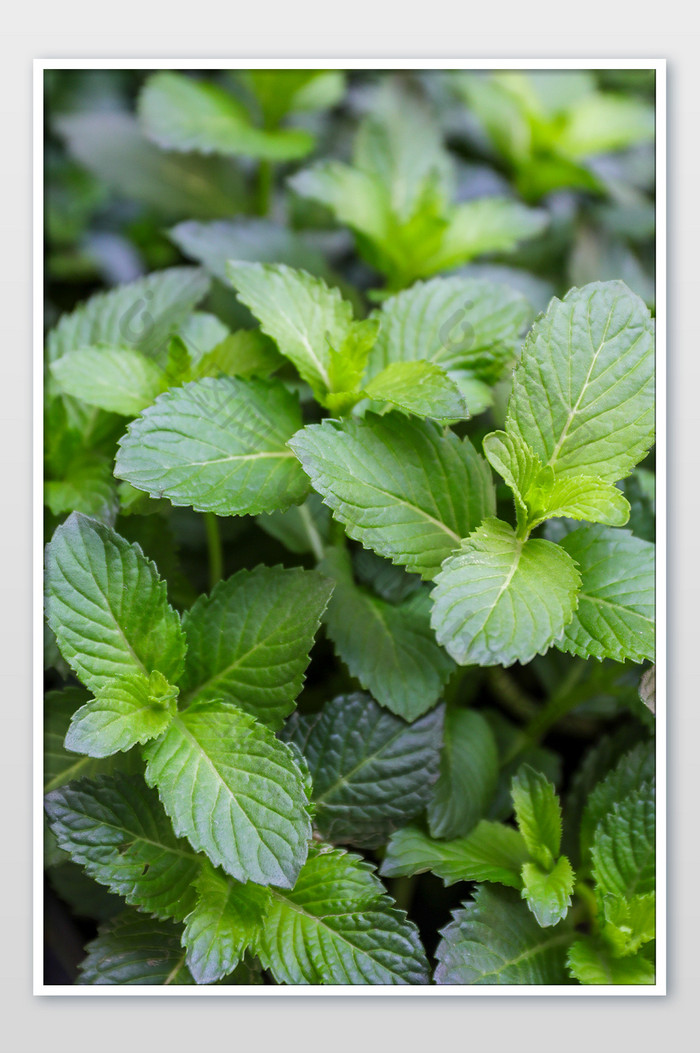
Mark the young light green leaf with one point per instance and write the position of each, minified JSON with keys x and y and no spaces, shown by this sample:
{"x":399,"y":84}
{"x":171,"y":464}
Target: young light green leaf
{"x":282,"y":91}
{"x":139,"y":315}
{"x":590,"y":962}
{"x":628,"y":922}
{"x":548,"y":892}
{"x":401,"y":487}
{"x":304,"y":316}
{"x":248,"y":642}
{"x":455,"y":323}
{"x":494,"y":939}
{"x":468,"y":775}
{"x":337,"y":926}
{"x":133,"y":949}
{"x":246,"y":353}
{"x":371,"y":771}
{"x":538,"y":814}
{"x":128,"y":710}
{"x":115,"y":827}
{"x":501,"y":599}
{"x":116,"y":379}
{"x":624,"y":846}
{"x":583,"y":392}
{"x":540,"y":495}
{"x":180,"y":113}
{"x":108,"y":607}
{"x":60,"y":766}
{"x":218,"y":445}
{"x":580,"y":497}
{"x":225,"y":921}
{"x":488,"y":224}
{"x":86,"y":486}
{"x":234,"y":791}
{"x":491,"y":852}
{"x":390,"y":648}
{"x":615,"y":615}
{"x":422,"y":388}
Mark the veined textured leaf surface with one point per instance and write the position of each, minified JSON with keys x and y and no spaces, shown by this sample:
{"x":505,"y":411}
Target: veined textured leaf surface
{"x":371,"y":771}
{"x":399,"y":486}
{"x":468,"y":775}
{"x":134,"y":949}
{"x":108,"y":607}
{"x":390,"y":648}
{"x":500,"y":599}
{"x":218,"y":445}
{"x":615,"y":615}
{"x":583,"y":393}
{"x":234,"y":791}
{"x":115,"y":827}
{"x":337,"y":927}
{"x":496,"y":940}
{"x":491,"y":852}
{"x":249,"y":641}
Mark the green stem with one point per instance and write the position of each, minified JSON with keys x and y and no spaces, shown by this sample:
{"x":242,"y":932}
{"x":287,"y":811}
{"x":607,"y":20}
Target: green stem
{"x":264,"y":188}
{"x":509,"y":692}
{"x":557,"y":706}
{"x":216,"y":552}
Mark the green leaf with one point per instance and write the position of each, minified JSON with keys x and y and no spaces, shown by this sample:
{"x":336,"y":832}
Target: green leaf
{"x":401,"y":487}
{"x":538,"y":814}
{"x":112,"y":147}
{"x":60,"y":766}
{"x":615,"y":616}
{"x":248,"y":642}
{"x":86,"y":486}
{"x":390,"y":648}
{"x":583,"y":392}
{"x":180,"y":113}
{"x":495,"y":940}
{"x":486,"y":225}
{"x":283,"y":91}
{"x":218,"y":445}
{"x":338,"y":927}
{"x":581,"y":497}
{"x":246,"y":353}
{"x":635,"y":768}
{"x":421,"y":388}
{"x":234,"y":791}
{"x":140,"y":315}
{"x":116,"y":379}
{"x":225,"y":921}
{"x":468,"y":775}
{"x":115,"y":827}
{"x":491,"y":852}
{"x":371,"y":771}
{"x":128,"y":710}
{"x":628,"y":922}
{"x":257,"y":240}
{"x":304,"y":316}
{"x":539,"y":495}
{"x":600,"y":123}
{"x":455,"y":323}
{"x":108,"y":607}
{"x":624,"y":846}
{"x":548,"y":892}
{"x":590,"y":962}
{"x":501,"y":599}
{"x":133,"y":949}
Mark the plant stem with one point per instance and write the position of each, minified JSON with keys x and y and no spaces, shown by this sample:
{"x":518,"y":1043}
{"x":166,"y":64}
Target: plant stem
{"x":264,"y":188}
{"x":509,"y":692}
{"x":216,"y":552}
{"x":557,"y":706}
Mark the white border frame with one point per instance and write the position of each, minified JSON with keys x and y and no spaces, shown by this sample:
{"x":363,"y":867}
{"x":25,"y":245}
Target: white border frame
{"x":40,"y":66}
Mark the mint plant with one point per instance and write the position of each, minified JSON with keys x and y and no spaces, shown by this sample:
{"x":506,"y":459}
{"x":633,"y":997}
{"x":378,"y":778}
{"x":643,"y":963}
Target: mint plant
{"x":349,"y":599}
